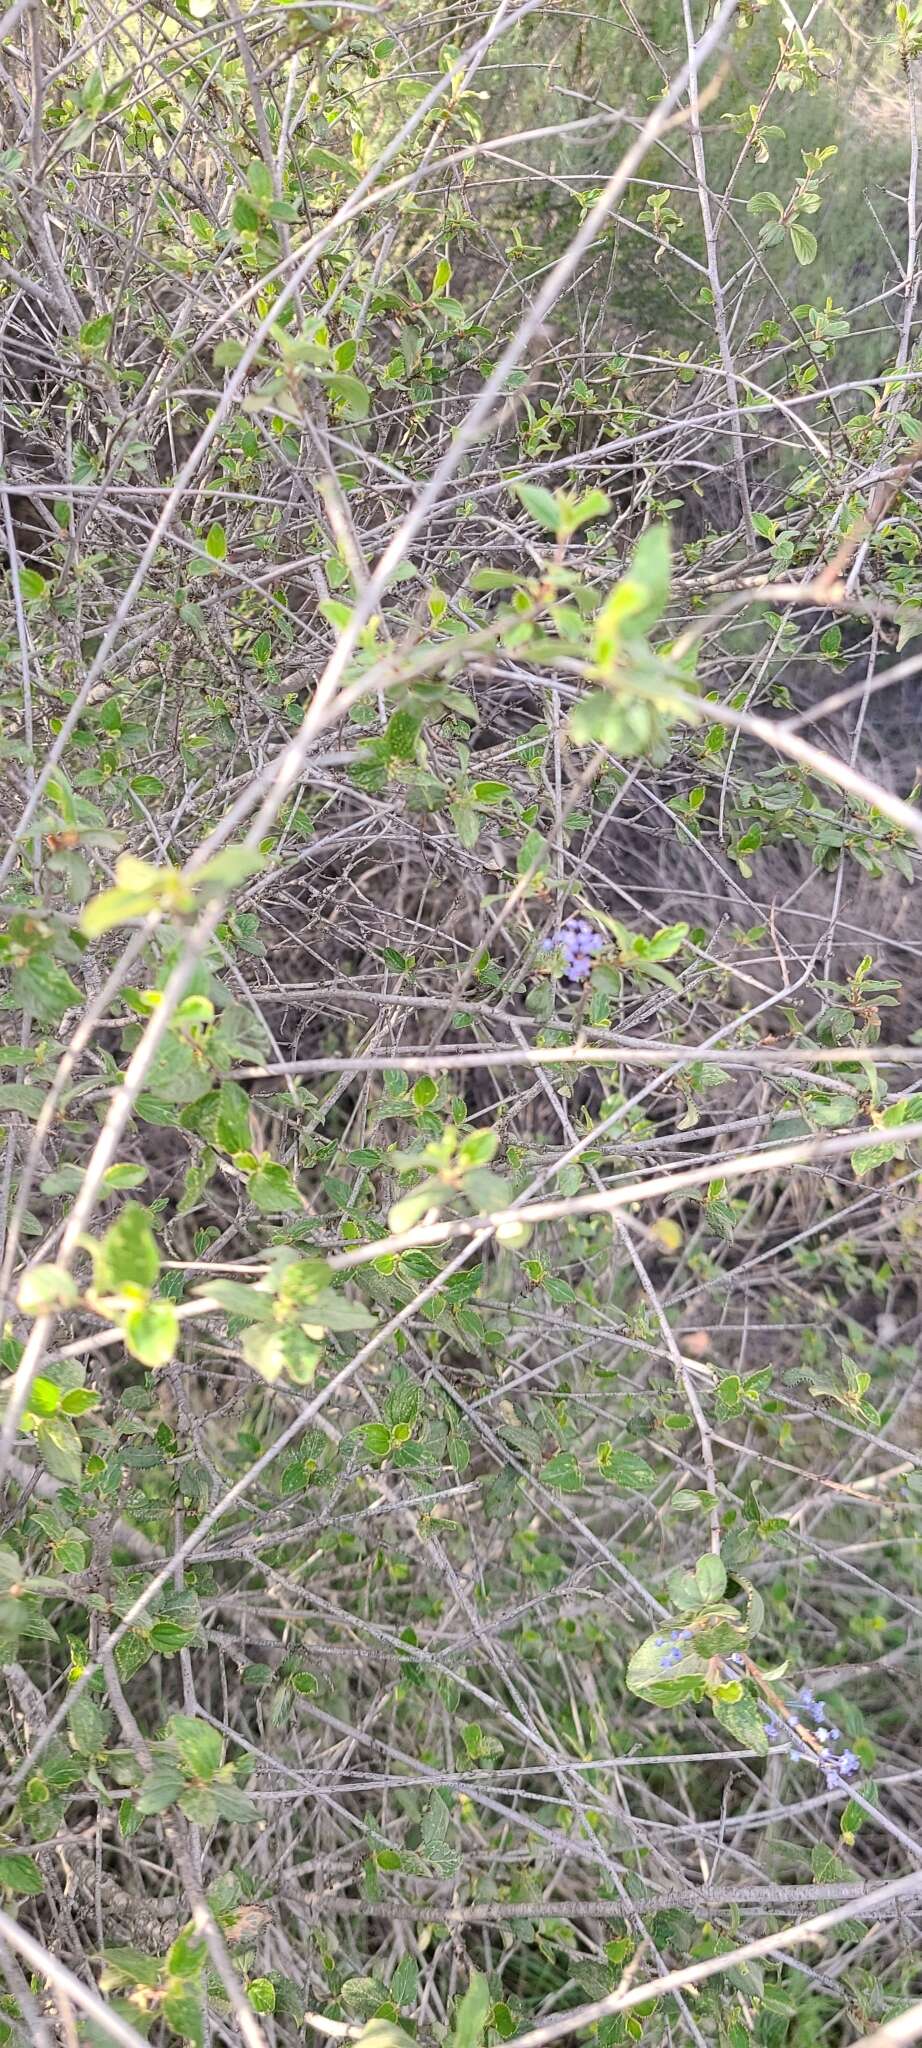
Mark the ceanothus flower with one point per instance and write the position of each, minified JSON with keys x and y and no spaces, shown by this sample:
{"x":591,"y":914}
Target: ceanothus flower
{"x":579,"y":943}
{"x":837,"y":1766}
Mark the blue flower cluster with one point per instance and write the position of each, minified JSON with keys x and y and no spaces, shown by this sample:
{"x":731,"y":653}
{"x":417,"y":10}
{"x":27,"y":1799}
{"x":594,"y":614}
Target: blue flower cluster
{"x":578,"y":943}
{"x":672,"y":1644}
{"x":836,"y":1766}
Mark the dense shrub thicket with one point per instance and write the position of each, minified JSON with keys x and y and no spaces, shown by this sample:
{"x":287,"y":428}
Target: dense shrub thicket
{"x":461,"y":1076}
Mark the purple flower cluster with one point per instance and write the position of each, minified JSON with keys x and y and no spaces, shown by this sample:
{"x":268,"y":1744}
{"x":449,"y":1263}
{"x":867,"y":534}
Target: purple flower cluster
{"x":836,"y":1766}
{"x":578,"y":943}
{"x":672,"y":1644}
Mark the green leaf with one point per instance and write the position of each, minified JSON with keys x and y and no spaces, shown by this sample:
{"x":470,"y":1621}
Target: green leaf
{"x":651,"y":567}
{"x":78,"y":1401}
{"x":639,"y":600}
{"x":71,"y":1552}
{"x":195,"y":1181}
{"x":245,"y":216}
{"x":18,"y":1873}
{"x":302,"y":1282}
{"x":216,"y":542}
{"x":200,"y":1747}
{"x":803,"y":242}
{"x":130,"y":1819}
{"x":375,"y":1439}
{"x":228,"y":869}
{"x":272,"y":1351}
{"x":494,"y":579}
{"x":654,"y":1675}
{"x":32,"y":586}
{"x":595,"y":505}
{"x":326,"y":160}
{"x":184,"y":2010}
{"x":867,"y":1157}
{"x":227,"y":354}
{"x":43,"y":1289}
{"x":199,"y":1804}
{"x":743,"y":1721}
{"x":124,"y":1176}
{"x":178,"y":1074}
{"x":239,"y":1300}
{"x":127,"y":1256}
{"x":60,"y":1449}
{"x":666,"y":943}
{"x":851,"y":1819}
{"x":625,"y":723}
{"x":22,"y":1096}
{"x":160,"y":1788}
{"x":152,"y":1333}
{"x":88,"y":1725}
{"x":273,"y":1191}
{"x":477,"y":1149}
{"x":43,"y":987}
{"x":129,"y":1966}
{"x":827,"y":1867}
{"x":684,"y":1591}
{"x":95,"y":333}
{"x":44,"y":1397}
{"x":351,"y":394}
{"x":711,"y":1578}
{"x":484,"y":1190}
{"x":169,"y":1636}
{"x":187,"y":1955}
{"x":627,"y":1469}
{"x":330,"y":1311}
{"x":381,"y":2033}
{"x":10,"y":1567}
{"x":404,"y":1984}
{"x":401,"y":735}
{"x":541,"y":506}
{"x":139,"y":889}
{"x":562,"y":1472}
{"x":259,"y":179}
{"x":472,"y":2013}
{"x":466,"y":823}
{"x":239,"y":1034}
{"x":361,"y":1996}
{"x":403,"y":1214}
{"x":233,"y":1804}
{"x":764,"y":202}
{"x":531,"y":858}
{"x":221,"y":1117}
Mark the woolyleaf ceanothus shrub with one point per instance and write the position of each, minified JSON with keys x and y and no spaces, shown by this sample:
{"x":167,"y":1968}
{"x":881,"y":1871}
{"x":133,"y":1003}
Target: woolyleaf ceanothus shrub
{"x":460,"y":1078}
